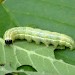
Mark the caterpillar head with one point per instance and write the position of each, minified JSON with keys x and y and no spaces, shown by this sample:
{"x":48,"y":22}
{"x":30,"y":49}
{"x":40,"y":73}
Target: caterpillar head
{"x":8,"y":42}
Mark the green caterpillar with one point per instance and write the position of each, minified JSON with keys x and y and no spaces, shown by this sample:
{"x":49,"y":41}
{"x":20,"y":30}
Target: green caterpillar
{"x":58,"y":40}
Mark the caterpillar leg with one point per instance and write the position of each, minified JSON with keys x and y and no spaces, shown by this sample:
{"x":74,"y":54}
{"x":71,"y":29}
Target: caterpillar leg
{"x":69,"y":45}
{"x":36,"y":39}
{"x":54,"y":43}
{"x":57,"y":45}
{"x":28,"y":38}
{"x":60,"y":47}
{"x":45,"y":41}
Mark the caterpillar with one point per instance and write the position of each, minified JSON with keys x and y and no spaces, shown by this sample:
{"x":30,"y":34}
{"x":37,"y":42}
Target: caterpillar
{"x":47,"y":37}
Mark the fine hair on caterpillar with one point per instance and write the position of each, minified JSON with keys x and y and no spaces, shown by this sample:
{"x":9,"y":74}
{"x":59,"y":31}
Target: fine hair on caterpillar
{"x":38,"y":35}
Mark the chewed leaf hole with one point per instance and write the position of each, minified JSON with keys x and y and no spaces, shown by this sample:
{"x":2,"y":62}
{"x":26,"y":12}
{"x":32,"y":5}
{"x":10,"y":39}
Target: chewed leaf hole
{"x":13,"y":73}
{"x":9,"y":74}
{"x":27,"y":68}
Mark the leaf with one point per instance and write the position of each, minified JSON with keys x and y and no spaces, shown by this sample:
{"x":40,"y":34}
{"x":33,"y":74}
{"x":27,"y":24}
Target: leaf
{"x":16,"y":55}
{"x":52,"y":15}
{"x":2,"y":53}
{"x":67,"y":56}
{"x":1,"y":1}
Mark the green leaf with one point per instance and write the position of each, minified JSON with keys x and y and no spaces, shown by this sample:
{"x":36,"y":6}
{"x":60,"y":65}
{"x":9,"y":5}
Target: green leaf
{"x":39,"y":56}
{"x":52,"y":15}
{"x":66,"y":55}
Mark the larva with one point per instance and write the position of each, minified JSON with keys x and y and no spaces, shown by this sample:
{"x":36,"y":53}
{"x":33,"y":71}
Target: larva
{"x":38,"y":35}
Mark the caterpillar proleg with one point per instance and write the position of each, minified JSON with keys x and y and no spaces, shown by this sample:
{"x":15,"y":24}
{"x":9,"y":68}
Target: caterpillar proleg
{"x":38,"y":35}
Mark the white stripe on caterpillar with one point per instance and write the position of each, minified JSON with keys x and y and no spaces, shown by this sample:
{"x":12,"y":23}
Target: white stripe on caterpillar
{"x":38,"y":35}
